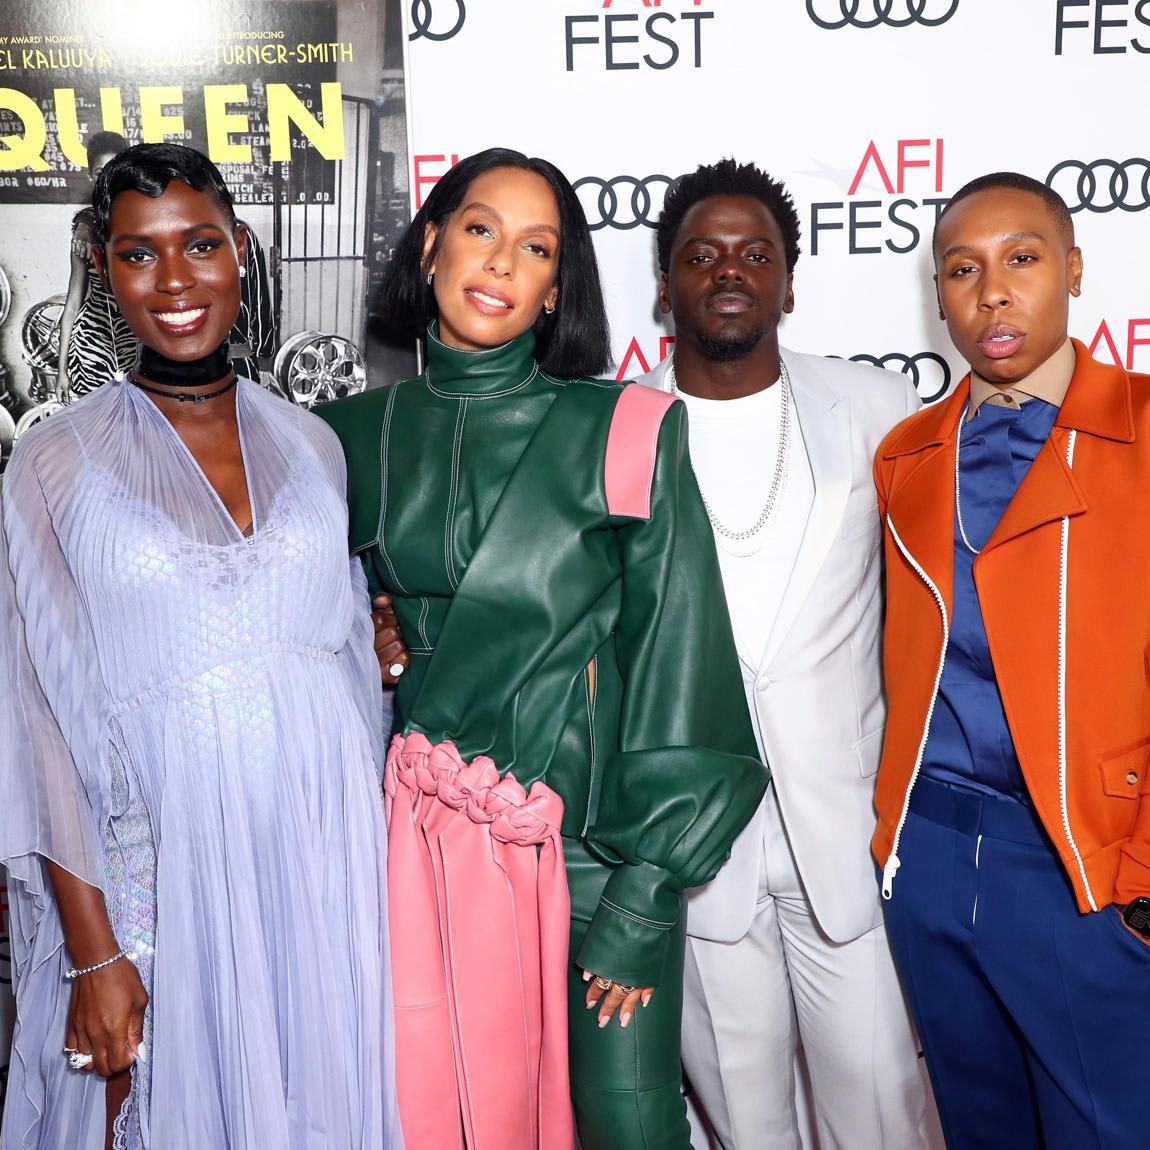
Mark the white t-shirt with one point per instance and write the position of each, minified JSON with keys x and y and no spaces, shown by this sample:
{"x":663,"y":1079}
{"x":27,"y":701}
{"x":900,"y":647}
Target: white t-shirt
{"x":734,"y":446}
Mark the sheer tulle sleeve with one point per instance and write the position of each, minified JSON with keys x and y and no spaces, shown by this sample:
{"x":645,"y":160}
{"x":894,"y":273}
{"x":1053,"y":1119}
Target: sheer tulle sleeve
{"x":53,"y":769}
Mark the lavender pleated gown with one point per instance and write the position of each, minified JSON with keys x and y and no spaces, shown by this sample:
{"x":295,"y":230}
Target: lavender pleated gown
{"x":192,"y":721}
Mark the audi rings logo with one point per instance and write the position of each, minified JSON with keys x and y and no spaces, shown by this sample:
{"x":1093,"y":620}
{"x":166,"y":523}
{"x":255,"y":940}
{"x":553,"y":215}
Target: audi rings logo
{"x":1104,"y":185}
{"x":928,"y":371}
{"x":872,"y":13}
{"x":429,"y":21}
{"x":622,"y":202}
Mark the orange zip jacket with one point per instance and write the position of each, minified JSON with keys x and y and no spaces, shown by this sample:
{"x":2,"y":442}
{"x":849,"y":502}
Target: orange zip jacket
{"x":1064,"y":584}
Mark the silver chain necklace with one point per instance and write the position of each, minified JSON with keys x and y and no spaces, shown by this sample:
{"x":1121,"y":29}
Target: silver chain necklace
{"x":782,"y":460}
{"x":958,"y":486}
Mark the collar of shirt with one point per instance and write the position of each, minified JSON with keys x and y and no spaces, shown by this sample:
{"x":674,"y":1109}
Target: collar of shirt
{"x":1048,"y":381}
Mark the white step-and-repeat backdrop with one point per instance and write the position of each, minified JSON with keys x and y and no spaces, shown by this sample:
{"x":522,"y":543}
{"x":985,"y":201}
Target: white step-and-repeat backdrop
{"x":872,"y":112}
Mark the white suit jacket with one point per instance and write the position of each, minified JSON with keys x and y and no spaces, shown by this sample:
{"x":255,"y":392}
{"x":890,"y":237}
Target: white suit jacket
{"x":816,"y":695}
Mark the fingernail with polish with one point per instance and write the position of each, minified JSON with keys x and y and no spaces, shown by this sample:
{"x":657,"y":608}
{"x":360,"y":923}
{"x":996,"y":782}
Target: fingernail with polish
{"x":624,"y":1018}
{"x":603,"y":1022}
{"x":646,"y":998}
{"x":586,"y":976}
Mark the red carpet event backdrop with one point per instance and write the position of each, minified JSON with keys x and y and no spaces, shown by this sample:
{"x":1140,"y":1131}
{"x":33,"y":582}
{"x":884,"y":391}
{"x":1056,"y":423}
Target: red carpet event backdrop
{"x":872,"y":111}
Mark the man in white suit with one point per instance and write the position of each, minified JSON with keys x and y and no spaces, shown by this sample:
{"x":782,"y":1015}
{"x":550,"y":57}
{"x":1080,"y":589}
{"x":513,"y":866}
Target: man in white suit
{"x":787,"y":947}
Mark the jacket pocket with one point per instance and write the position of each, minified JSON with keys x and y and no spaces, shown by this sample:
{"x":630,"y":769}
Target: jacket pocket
{"x":1126,"y":770}
{"x":868,"y":750}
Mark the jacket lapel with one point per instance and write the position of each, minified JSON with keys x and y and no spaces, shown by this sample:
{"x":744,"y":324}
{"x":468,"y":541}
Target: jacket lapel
{"x":920,"y":503}
{"x":824,"y":420}
{"x":1047,"y":493}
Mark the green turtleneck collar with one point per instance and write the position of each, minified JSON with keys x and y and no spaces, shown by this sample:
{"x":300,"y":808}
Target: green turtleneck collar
{"x":495,"y":371}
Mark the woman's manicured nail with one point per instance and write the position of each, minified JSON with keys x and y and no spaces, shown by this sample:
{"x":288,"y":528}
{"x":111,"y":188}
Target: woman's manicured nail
{"x":624,"y":1018}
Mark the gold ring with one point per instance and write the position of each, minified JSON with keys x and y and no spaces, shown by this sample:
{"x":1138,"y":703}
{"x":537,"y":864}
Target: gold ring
{"x":602,"y":983}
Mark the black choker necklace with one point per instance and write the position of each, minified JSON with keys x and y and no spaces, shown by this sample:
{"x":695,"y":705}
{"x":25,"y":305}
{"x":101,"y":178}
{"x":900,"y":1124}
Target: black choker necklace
{"x":188,"y":396}
{"x":176,"y":373}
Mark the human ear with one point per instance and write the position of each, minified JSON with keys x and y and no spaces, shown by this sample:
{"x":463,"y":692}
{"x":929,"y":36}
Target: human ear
{"x":1074,"y":271}
{"x":430,"y":233}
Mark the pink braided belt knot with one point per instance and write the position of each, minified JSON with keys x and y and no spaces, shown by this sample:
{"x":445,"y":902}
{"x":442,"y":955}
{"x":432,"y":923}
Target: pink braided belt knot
{"x":480,"y":919}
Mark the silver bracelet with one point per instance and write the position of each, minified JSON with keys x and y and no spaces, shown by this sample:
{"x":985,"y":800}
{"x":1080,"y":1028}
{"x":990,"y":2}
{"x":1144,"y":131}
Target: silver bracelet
{"x":74,"y":973}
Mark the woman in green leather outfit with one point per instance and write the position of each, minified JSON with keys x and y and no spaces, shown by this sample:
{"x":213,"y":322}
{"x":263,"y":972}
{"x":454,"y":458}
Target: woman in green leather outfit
{"x":577,"y":640}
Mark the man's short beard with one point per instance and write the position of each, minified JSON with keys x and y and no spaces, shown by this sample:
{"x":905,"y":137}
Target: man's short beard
{"x":729,"y":345}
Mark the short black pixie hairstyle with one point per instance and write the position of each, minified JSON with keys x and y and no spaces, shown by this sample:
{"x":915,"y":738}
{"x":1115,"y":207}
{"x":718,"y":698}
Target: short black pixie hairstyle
{"x":572,"y":342}
{"x":104,"y":144}
{"x":150,"y":168}
{"x":727,"y":178}
{"x":1017,"y":182}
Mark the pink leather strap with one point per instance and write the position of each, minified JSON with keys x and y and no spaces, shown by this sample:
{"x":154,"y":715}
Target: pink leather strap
{"x":631,"y":445}
{"x":479,"y":900}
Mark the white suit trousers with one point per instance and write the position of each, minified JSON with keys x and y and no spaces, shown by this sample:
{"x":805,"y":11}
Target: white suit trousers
{"x":749,"y":1005}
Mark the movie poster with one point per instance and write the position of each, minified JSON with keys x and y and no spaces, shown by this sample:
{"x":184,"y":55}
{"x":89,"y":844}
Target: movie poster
{"x":301,"y":104}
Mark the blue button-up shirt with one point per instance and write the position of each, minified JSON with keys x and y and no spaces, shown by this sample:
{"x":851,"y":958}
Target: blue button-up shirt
{"x":969,"y":745}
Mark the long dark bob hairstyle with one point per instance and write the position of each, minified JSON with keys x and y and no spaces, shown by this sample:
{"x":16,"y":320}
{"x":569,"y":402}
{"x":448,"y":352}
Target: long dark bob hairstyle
{"x":149,"y":169}
{"x":575,"y":340}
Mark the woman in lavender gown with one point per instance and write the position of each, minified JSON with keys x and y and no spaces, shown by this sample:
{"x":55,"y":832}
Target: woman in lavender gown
{"x":192,"y":727}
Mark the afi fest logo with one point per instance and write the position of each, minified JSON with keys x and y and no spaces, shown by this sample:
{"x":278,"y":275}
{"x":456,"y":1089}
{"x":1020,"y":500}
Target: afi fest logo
{"x":436,"y":19}
{"x":865,"y":224}
{"x":1108,"y":25}
{"x":833,"y":14}
{"x":1103,"y":185}
{"x":1105,"y":337}
{"x":659,"y":37}
{"x":927,"y":371}
{"x":622,"y":202}
{"x":636,"y":361}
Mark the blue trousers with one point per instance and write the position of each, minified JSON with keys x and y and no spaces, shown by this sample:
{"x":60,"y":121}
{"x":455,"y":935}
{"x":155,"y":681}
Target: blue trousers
{"x":1035,"y":1019}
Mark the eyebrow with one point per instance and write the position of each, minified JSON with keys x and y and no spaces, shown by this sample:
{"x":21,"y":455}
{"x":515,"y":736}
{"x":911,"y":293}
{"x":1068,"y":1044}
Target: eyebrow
{"x":144,"y":239}
{"x":478,"y":204}
{"x":1012,"y":238}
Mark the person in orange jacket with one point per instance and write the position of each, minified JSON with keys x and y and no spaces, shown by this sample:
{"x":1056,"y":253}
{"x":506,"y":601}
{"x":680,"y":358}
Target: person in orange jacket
{"x":1013,"y":794}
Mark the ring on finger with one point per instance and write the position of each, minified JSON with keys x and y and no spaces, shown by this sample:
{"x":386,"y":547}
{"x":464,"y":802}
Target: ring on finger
{"x":623,"y":989}
{"x":78,"y":1061}
{"x":602,"y":983}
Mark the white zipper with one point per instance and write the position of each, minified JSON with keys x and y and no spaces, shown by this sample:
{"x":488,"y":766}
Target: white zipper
{"x":1063,"y":563}
{"x":893,"y":863}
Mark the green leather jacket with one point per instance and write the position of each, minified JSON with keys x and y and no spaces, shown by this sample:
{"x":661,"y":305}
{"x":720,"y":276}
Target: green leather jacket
{"x":591,"y":651}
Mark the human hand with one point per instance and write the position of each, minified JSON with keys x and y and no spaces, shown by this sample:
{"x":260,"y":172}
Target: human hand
{"x":614,"y":996}
{"x":390,"y":649}
{"x":1120,"y":911}
{"x":106,"y":1017}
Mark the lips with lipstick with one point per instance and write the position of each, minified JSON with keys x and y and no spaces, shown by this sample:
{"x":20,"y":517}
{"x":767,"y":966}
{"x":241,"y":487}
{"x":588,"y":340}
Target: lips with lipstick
{"x":1000,"y":341}
{"x":180,"y":320}
{"x":488,"y":301}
